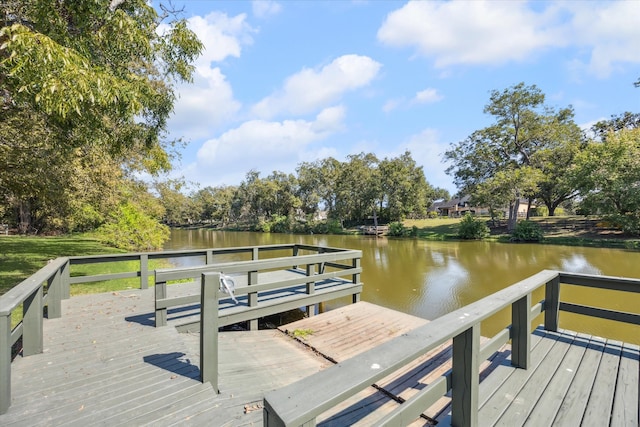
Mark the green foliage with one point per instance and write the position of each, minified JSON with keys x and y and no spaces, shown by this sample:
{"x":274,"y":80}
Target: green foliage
{"x":432,"y":214}
{"x":472,"y":228}
{"x":396,"y":229}
{"x":87,"y":88}
{"x":539,"y":211}
{"x":133,"y":230}
{"x":608,"y":173}
{"x":511,"y":159}
{"x":527,"y":231}
{"x":301,"y":333}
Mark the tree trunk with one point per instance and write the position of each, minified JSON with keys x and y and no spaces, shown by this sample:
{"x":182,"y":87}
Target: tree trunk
{"x":528,"y":209}
{"x":513,"y":215}
{"x":25,"y":217}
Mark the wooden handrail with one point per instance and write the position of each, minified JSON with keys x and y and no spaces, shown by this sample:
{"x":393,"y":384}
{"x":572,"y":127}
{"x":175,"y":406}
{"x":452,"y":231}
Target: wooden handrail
{"x":30,"y":293}
{"x":300,"y":403}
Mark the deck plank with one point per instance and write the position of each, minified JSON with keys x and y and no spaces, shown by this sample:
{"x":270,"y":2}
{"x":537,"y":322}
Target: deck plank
{"x":627,"y":398}
{"x":575,"y":401}
{"x":549,"y":403}
{"x":526,"y":399}
{"x":598,"y":411}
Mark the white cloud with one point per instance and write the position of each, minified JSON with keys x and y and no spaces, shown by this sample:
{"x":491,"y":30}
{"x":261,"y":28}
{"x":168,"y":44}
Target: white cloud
{"x":427,"y":96}
{"x":483,"y":32}
{"x":610,"y":33}
{"x":265,"y":8}
{"x":203,"y":106}
{"x":392,"y":104}
{"x":208,"y":102}
{"x":313,"y":89}
{"x":265,"y":146}
{"x":477,"y":32}
{"x":222,"y":36}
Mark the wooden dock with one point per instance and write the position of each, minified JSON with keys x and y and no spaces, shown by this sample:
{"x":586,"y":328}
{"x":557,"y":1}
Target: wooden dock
{"x":105,"y":364}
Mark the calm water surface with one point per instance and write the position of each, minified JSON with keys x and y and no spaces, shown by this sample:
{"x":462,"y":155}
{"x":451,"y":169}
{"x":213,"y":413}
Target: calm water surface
{"x":429,"y":279}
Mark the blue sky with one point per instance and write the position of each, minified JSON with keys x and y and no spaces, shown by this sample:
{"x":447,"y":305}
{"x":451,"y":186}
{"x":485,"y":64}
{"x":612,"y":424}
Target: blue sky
{"x":282,"y":82}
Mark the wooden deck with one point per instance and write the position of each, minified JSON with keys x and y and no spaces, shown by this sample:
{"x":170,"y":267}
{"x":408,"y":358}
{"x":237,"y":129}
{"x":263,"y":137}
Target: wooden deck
{"x":105,"y":364}
{"x":574,"y":380}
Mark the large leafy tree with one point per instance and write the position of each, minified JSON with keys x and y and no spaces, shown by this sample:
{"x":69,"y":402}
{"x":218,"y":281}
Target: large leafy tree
{"x":97,"y":79}
{"x":358,"y":187}
{"x":494,"y":156}
{"x":405,"y":190}
{"x":608,"y":173}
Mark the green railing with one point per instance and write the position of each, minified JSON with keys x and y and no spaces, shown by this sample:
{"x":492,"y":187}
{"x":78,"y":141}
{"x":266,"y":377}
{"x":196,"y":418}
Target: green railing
{"x":322,"y":264}
{"x":299,"y":404}
{"x":40,"y":296}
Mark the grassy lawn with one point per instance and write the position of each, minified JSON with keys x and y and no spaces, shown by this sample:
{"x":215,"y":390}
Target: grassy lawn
{"x":22,"y":256}
{"x":434,"y":228}
{"x":559,"y":230}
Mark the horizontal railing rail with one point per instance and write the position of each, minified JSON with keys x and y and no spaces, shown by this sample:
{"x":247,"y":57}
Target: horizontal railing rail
{"x":299,"y":404}
{"x":344,"y":263}
{"x":206,"y":256}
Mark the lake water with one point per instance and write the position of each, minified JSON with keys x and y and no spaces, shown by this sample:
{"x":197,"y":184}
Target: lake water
{"x":429,"y":279}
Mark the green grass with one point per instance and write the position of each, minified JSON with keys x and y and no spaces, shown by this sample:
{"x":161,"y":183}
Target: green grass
{"x":447,"y":229}
{"x":22,"y":256}
{"x":435,"y":228}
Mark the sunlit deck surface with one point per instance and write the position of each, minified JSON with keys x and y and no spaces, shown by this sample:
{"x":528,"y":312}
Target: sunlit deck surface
{"x":104,"y":363}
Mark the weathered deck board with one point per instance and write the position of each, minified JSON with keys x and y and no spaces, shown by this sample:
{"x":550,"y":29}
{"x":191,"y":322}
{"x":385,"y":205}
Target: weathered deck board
{"x":360,"y":327}
{"x":574,"y":380}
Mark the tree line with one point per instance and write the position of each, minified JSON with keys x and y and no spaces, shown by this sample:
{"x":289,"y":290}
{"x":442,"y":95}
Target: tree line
{"x":321,"y":196}
{"x":536,"y":152}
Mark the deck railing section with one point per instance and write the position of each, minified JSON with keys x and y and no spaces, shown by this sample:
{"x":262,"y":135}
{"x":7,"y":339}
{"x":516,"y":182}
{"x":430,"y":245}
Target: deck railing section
{"x":322,"y":263}
{"x":201,"y":256}
{"x":41,"y":292}
{"x":299,"y":404}
{"x":335,"y":272}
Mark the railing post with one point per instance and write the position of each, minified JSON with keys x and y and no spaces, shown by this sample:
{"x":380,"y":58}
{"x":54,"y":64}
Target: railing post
{"x":552,"y":304}
{"x":355,"y":278}
{"x":54,"y":296}
{"x":295,"y":251}
{"x":321,"y":265}
{"x":252,"y":279}
{"x":465,"y":378}
{"x":160,"y":290}
{"x":32,"y":319}
{"x":521,"y":332}
{"x":66,"y":280}
{"x":209,"y":257}
{"x":210,"y":285}
{"x":5,"y":363}
{"x":311,"y":288}
{"x":255,"y":254}
{"x":144,"y":271}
